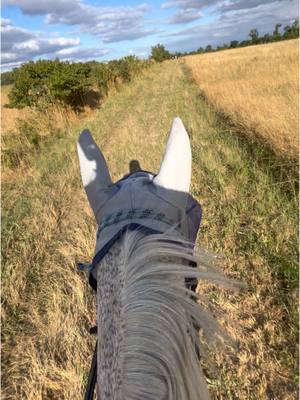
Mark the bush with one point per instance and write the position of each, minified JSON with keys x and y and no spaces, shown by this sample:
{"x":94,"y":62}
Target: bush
{"x":47,"y":82}
{"x":100,"y":76}
{"x":69,"y":83}
{"x":107,"y":76}
{"x":159,"y":53}
{"x":8,"y":78}
{"x":129,"y":67}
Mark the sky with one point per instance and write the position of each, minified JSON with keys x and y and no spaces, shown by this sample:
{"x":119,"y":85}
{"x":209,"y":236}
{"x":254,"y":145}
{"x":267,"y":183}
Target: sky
{"x":82,"y":30}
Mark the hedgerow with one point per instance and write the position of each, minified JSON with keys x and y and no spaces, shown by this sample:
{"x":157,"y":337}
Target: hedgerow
{"x":108,"y":75}
{"x":8,"y":77}
{"x":46,"y":82}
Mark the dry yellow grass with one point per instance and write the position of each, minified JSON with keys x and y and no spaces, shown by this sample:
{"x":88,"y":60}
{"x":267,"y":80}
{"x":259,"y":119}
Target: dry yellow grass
{"x":53,"y":118}
{"x":47,"y":225}
{"x":257,"y":87}
{"x":9,"y":116}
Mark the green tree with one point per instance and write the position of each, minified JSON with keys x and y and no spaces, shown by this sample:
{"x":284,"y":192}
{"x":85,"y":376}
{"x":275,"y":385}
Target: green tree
{"x":295,"y":28}
{"x":276,"y":32}
{"x":291,"y":31}
{"x":244,"y":43}
{"x":254,"y":35}
{"x":159,"y":53}
{"x":234,"y":44}
{"x":267,"y":38}
{"x":178,"y":54}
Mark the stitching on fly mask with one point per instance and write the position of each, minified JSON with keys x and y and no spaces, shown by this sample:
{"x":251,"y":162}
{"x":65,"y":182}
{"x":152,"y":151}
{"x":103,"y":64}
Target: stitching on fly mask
{"x":140,"y":214}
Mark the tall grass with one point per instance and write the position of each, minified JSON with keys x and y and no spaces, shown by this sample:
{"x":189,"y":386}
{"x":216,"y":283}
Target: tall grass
{"x":9,"y":116}
{"x":47,"y":225}
{"x":257,"y":88}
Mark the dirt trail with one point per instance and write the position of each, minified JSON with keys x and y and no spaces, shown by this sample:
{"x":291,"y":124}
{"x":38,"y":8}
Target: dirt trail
{"x":48,"y":225}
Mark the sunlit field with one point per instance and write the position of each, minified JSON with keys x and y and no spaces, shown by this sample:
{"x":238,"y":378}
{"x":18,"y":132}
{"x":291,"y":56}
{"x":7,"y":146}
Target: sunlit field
{"x":250,"y":217}
{"x":257,"y":88}
{"x":9,"y":115}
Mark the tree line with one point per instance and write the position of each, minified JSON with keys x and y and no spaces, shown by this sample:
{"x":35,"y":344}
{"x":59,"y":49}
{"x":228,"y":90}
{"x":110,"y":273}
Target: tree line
{"x":160,"y":53}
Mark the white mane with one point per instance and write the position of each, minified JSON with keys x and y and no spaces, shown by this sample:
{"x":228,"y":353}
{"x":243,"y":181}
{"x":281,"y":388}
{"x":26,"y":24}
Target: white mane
{"x":146,"y":318}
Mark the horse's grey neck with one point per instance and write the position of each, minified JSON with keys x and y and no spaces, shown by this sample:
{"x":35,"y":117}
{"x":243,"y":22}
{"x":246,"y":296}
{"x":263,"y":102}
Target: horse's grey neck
{"x":144,"y":321}
{"x":110,"y":280}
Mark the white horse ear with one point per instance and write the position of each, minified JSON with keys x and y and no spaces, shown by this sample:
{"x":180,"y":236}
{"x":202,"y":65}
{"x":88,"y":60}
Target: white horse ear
{"x":176,"y":167}
{"x":94,"y":171}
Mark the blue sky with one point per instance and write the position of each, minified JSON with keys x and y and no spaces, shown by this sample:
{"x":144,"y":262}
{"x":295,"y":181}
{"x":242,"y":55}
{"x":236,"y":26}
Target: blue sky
{"x":80,"y":30}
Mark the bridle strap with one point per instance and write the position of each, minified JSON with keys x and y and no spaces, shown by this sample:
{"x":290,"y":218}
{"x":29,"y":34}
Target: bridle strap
{"x":91,"y":385}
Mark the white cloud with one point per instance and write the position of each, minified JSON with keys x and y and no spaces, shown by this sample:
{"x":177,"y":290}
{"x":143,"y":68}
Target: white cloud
{"x":40,"y":7}
{"x":20,"y":45}
{"x":60,"y":41}
{"x":5,"y":22}
{"x":10,"y":65}
{"x":81,"y":54}
{"x":189,"y":10}
{"x":31,"y":45}
{"x":111,"y":24}
{"x":188,"y":4}
{"x":185,"y":16}
{"x":8,"y":57}
{"x":224,"y":6}
{"x":234,"y":24}
{"x":12,"y":35}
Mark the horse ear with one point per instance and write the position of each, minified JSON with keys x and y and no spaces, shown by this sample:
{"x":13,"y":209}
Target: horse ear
{"x":176,"y":166}
{"x":94,"y":171}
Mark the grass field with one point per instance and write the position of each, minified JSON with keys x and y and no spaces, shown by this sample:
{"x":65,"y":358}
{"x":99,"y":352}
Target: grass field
{"x":10,"y":115}
{"x":257,"y":88}
{"x":249,"y":215}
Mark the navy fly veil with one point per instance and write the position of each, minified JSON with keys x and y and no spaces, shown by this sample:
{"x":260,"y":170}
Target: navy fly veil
{"x":136,"y":203}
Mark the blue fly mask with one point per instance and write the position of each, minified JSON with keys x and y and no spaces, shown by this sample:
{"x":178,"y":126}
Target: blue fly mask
{"x":152,"y":203}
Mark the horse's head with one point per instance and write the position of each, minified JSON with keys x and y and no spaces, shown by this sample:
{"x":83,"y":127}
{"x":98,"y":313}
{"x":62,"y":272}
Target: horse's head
{"x":144,"y":272}
{"x":154,"y":203}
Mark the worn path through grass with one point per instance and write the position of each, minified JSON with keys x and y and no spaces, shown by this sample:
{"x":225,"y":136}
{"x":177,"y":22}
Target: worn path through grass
{"x":248,"y":215}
